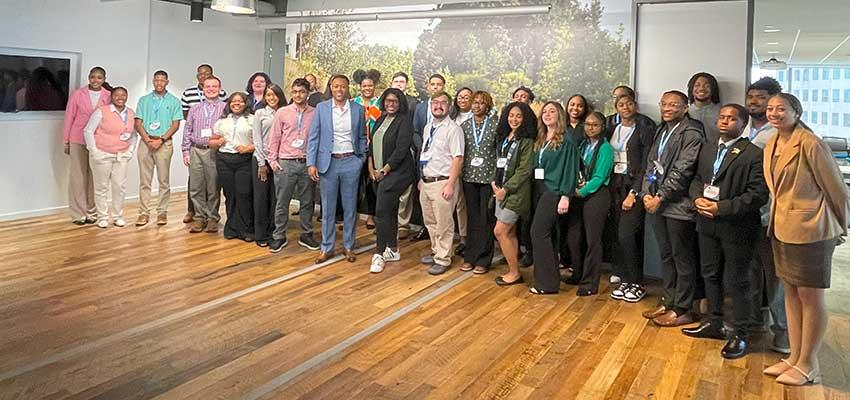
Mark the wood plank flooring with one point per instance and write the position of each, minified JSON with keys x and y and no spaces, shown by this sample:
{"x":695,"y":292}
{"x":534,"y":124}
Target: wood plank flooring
{"x":137,"y":313}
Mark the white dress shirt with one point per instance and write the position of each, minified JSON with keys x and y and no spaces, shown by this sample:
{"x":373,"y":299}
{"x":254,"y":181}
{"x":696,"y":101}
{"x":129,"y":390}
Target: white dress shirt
{"x":343,"y":142}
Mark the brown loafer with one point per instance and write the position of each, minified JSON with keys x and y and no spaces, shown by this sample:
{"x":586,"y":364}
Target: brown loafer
{"x":142,"y":220}
{"x":466,"y":267}
{"x":671,"y":319}
{"x":323,"y":257}
{"x":197,"y":226}
{"x":189,"y":217}
{"x":350,"y":256}
{"x":658,"y":311}
{"x":212,"y":226}
{"x":161,"y":219}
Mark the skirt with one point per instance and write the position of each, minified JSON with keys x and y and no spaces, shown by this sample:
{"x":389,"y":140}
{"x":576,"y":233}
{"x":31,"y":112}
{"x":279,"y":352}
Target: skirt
{"x":807,"y":265}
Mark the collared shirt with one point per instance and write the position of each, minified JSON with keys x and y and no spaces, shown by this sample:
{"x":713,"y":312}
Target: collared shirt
{"x":443,"y":146}
{"x":95,"y":120}
{"x":760,"y":136}
{"x":237,"y":131}
{"x":262,"y":126}
{"x":158,"y":112}
{"x":462,"y":117}
{"x":288,"y":136}
{"x":202,"y":115}
{"x":343,"y":141}
{"x":194,"y":94}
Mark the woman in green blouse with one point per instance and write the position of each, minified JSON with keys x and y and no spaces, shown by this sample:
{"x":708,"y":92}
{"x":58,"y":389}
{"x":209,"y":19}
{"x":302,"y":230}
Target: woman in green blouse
{"x":556,"y":164}
{"x":479,"y":168}
{"x":512,"y":183}
{"x":593,"y":202}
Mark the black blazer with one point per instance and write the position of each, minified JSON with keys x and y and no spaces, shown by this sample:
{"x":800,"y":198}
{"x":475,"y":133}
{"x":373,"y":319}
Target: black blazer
{"x":742,"y":190}
{"x":396,"y":152}
{"x":637,"y":148}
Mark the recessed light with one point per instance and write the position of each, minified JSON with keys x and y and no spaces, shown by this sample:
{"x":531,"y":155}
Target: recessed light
{"x":772,"y":30}
{"x":772,"y":52}
{"x":771,"y":43}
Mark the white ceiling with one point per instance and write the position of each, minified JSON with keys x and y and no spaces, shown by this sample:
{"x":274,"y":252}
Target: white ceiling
{"x":822,"y":25}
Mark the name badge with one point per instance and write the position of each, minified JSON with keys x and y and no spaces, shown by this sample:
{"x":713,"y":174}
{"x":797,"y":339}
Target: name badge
{"x":477,"y":162}
{"x":297,"y":143}
{"x":125,"y":136}
{"x":502,"y":162}
{"x":620,"y":168}
{"x":620,"y":157}
{"x":538,"y":173}
{"x":711,"y":192}
{"x":154,"y":125}
{"x":206,"y":132}
{"x":425,"y":157}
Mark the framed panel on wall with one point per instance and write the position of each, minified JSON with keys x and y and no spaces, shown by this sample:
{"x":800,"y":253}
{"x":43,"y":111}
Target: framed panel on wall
{"x":36,"y":83}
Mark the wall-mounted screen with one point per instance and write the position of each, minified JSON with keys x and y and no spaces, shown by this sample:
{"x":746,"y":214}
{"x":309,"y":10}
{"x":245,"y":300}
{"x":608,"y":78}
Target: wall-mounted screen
{"x":33,"y":83}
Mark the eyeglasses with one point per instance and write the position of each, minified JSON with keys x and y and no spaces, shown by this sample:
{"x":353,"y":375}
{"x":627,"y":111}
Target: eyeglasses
{"x":592,"y":125}
{"x":674,"y":105}
{"x":439,"y":102}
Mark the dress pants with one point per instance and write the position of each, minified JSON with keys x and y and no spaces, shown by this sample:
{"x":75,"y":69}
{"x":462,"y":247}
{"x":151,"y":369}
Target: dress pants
{"x":234,"y":176}
{"x":677,"y":244}
{"x":291,"y":180}
{"x":80,"y":183}
{"x":264,"y":202}
{"x":109,"y":170}
{"x":722,"y":257}
{"x":461,"y":214}
{"x":203,"y":189}
{"x":585,"y":236}
{"x":161,"y":160}
{"x":386,"y":217}
{"x":405,"y":207}
{"x":438,"y":214}
{"x":366,"y":194}
{"x":480,"y":221}
{"x":190,"y":207}
{"x":547,"y":276}
{"x":626,"y":233}
{"x":341,"y":179}
{"x":767,"y":286}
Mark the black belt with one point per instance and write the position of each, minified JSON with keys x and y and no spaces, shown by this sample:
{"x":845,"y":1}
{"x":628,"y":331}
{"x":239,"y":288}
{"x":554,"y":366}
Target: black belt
{"x":434,"y":179}
{"x":298,"y":160}
{"x":342,"y":155}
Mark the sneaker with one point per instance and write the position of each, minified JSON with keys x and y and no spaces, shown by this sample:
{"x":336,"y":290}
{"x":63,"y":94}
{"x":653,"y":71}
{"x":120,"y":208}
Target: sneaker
{"x":197,"y":226}
{"x":119,"y":222}
{"x":780,"y":343}
{"x":161,"y":219}
{"x":391,"y":256}
{"x":620,"y":291}
{"x":142,"y":220}
{"x":189,"y":217}
{"x":438,"y":269}
{"x":615,"y":279}
{"x":634,"y":293}
{"x":102,"y":223}
{"x":377,"y":264}
{"x":308,"y":242}
{"x":277,"y":244}
{"x":427,"y":260}
{"x":212,"y":226}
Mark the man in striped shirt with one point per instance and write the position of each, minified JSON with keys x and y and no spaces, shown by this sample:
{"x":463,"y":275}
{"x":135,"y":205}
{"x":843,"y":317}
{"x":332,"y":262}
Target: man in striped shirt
{"x":194,"y":95}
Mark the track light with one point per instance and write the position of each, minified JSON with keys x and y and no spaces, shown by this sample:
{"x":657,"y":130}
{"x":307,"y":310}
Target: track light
{"x":196,"y":11}
{"x":234,"y":6}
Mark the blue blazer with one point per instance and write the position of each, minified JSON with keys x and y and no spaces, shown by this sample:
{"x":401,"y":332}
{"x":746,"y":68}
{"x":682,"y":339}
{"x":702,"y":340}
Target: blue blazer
{"x":321,"y":137}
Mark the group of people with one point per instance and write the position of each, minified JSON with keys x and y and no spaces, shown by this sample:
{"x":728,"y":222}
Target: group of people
{"x":740,"y":198}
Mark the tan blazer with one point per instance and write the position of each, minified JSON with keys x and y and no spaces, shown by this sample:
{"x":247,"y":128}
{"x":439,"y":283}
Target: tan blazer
{"x":810,"y":200}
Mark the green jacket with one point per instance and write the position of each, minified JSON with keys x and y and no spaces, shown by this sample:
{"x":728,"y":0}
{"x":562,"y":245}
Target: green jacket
{"x":518,"y":178}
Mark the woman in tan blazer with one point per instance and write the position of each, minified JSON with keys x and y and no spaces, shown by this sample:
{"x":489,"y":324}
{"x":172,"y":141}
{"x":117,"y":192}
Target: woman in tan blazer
{"x":807,"y":217}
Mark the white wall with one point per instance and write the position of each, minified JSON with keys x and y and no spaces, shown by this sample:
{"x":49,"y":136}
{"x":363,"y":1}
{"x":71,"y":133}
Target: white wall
{"x":131,"y":39}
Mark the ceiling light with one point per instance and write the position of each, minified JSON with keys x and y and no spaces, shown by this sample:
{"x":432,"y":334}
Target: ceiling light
{"x":771,"y":43}
{"x":773,"y":64}
{"x":772,"y":30}
{"x":234,"y":6}
{"x":772,"y":52}
{"x":196,"y":11}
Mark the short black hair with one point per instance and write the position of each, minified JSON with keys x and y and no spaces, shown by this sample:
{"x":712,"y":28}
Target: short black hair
{"x":629,"y":91}
{"x":524,"y":89}
{"x":360,"y":75}
{"x":712,"y":81}
{"x":303,"y":82}
{"x":743,"y":113}
{"x":768,"y":84}
{"x":402,"y":75}
{"x":160,"y":72}
{"x":528,"y":127}
{"x":402,"y":101}
{"x":339,"y":76}
{"x":205,"y":66}
{"x":678,"y":93}
{"x":119,"y":88}
{"x":438,"y":76}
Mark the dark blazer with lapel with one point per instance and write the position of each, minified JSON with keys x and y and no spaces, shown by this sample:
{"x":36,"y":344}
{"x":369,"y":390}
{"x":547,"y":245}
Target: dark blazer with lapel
{"x":321,"y":137}
{"x":742,"y":190}
{"x":637,"y":148}
{"x":420,"y":119}
{"x":396,"y":152}
{"x":679,"y":161}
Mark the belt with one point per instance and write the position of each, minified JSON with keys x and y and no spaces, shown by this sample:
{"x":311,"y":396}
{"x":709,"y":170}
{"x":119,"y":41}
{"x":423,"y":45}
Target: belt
{"x":434,"y":179}
{"x":342,"y":155}
{"x":298,"y":160}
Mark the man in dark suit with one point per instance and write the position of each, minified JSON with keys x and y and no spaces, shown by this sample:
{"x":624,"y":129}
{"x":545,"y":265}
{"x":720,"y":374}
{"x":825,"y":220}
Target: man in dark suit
{"x":336,"y":151}
{"x":422,"y":116}
{"x":728,"y":189}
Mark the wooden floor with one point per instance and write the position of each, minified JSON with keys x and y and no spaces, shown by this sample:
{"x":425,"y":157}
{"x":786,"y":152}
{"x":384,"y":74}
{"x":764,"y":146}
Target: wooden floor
{"x":156,"y":312}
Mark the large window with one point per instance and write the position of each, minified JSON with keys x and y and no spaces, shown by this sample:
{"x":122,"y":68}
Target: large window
{"x":814,"y":119}
{"x":815,"y":74}
{"x":834,"y":119}
{"x":836,"y":73}
{"x":823,"y":118}
{"x":824,"y":95}
{"x":836,"y":95}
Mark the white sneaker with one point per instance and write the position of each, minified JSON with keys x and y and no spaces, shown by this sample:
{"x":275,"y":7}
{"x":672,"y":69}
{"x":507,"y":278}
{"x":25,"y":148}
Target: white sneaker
{"x":615,"y":279}
{"x":390,"y":255}
{"x":102,"y":223}
{"x":620,"y":291}
{"x":119,"y":222}
{"x":377,"y":264}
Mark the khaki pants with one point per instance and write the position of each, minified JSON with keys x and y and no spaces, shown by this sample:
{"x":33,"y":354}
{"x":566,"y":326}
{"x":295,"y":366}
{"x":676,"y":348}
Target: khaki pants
{"x":80,"y":183}
{"x":203,"y":184}
{"x":161,"y":159}
{"x":109,"y":169}
{"x":405,"y":208}
{"x":437,"y":214}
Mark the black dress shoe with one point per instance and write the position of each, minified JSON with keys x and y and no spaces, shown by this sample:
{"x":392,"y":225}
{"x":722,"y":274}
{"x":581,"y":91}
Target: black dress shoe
{"x":422,"y":235}
{"x":460,"y":248}
{"x":707,"y":330}
{"x":736,"y":347}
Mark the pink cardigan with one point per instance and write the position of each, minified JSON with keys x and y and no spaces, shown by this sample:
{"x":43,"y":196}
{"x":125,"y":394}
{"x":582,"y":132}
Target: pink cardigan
{"x":78,"y":112}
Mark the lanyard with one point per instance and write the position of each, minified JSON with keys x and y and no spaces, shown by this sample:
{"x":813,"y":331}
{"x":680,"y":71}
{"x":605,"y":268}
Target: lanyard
{"x":430,"y":139}
{"x":621,"y":143}
{"x":722,"y":150}
{"x":299,"y":116}
{"x":664,"y":139}
{"x":588,"y":150}
{"x":204,"y":107}
{"x":476,"y":135}
{"x":235,"y":123}
{"x":511,"y":151}
{"x":157,"y":101}
{"x":540,"y":154}
{"x":122,"y":115}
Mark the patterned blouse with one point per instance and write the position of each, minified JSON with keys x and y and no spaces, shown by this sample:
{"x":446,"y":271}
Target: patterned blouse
{"x":479,"y":160}
{"x":372,"y":113}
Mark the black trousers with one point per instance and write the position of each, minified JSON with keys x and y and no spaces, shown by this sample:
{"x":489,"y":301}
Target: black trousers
{"x":480,"y":221}
{"x":265,"y":201}
{"x":547,"y":276}
{"x":234,"y":177}
{"x":366,"y":201}
{"x":677,"y":246}
{"x":626,"y":233}
{"x":386,"y":217}
{"x":584,"y":236}
{"x":727,"y":257}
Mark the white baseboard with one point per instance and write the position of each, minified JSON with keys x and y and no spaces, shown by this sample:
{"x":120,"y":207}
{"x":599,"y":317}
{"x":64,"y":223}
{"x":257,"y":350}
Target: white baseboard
{"x":57,"y":210}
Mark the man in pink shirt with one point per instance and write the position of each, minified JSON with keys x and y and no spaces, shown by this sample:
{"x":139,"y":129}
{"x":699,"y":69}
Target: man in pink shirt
{"x":288,"y":159}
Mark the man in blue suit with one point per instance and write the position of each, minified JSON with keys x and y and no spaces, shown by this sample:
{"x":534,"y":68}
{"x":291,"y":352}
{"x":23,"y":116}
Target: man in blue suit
{"x":336,"y":150}
{"x":422,"y":116}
